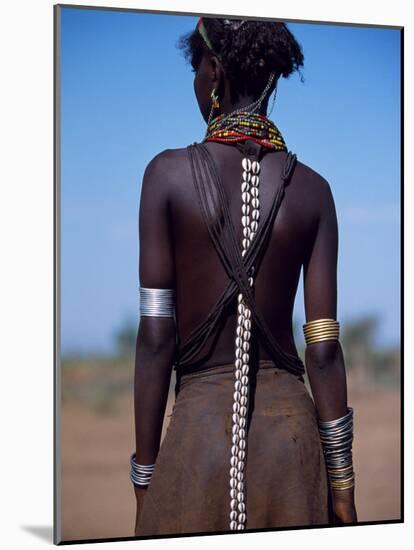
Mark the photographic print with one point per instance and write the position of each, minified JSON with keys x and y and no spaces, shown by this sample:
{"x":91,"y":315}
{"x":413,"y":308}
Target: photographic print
{"x":228,"y":274}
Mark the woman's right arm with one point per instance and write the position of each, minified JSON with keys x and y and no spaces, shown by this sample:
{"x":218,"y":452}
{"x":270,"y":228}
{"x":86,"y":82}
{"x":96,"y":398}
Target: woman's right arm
{"x":156,"y":338}
{"x":324,"y":360}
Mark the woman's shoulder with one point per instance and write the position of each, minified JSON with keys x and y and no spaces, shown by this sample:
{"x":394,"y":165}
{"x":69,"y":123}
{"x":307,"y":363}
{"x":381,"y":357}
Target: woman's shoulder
{"x":165,"y":160}
{"x":310,"y":180}
{"x":169,"y":155}
{"x":168,"y":168}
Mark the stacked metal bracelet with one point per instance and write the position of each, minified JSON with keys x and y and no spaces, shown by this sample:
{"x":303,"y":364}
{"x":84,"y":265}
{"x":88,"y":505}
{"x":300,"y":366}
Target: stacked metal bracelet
{"x":157,"y":302}
{"x":321,"y":329}
{"x":140,"y":474}
{"x":336,"y":438}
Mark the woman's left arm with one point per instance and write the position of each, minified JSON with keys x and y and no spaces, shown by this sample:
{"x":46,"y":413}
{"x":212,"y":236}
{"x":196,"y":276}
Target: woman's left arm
{"x":156,"y":338}
{"x":324,"y":359}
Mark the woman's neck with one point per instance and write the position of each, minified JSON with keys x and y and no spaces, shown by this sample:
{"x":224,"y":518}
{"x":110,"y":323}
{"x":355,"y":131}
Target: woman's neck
{"x":226,"y":107}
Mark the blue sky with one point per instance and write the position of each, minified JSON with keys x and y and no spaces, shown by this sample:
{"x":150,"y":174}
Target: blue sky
{"x":127,"y":93}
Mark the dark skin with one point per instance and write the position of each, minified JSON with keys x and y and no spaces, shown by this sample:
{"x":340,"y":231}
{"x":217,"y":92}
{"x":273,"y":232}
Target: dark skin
{"x":175,"y":252}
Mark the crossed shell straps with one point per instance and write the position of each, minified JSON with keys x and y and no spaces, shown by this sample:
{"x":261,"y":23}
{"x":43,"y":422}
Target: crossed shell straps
{"x":249,"y":220}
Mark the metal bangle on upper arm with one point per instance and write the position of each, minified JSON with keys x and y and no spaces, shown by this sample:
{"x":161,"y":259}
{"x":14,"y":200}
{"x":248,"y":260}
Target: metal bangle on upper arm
{"x":157,"y":302}
{"x":321,"y":329}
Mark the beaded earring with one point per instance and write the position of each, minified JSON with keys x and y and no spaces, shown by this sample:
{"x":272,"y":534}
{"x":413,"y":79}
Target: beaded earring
{"x":214,"y":104}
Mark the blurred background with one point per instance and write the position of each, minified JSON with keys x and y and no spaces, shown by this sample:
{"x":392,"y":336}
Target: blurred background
{"x":127,"y":94}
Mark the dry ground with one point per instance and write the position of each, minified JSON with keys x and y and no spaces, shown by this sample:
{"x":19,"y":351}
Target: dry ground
{"x":98,"y":499}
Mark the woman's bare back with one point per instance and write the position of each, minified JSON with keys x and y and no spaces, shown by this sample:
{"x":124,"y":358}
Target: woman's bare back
{"x":200,"y":276}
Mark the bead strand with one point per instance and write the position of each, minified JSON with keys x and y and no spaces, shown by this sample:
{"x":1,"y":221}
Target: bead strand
{"x":245,"y":125}
{"x":249,"y":220}
{"x":248,"y":109}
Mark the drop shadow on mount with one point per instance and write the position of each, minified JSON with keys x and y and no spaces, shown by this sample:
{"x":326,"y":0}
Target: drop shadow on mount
{"x":44,"y":532}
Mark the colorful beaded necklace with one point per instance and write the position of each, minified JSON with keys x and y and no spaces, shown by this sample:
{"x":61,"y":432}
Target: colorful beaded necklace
{"x":244,"y":125}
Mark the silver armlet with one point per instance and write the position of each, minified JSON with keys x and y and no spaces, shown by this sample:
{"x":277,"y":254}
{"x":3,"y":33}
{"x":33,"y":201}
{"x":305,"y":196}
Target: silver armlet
{"x":140,"y":474}
{"x":157,"y":302}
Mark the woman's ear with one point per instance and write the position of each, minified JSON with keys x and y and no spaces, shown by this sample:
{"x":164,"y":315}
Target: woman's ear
{"x":216,"y":71}
{"x":217,"y":76}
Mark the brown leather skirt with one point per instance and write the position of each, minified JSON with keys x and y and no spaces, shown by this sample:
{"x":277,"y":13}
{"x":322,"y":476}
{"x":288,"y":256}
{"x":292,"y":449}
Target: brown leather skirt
{"x":285,"y":482}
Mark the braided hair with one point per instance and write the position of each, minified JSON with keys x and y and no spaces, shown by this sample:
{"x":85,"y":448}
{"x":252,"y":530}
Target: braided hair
{"x":249,"y":51}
